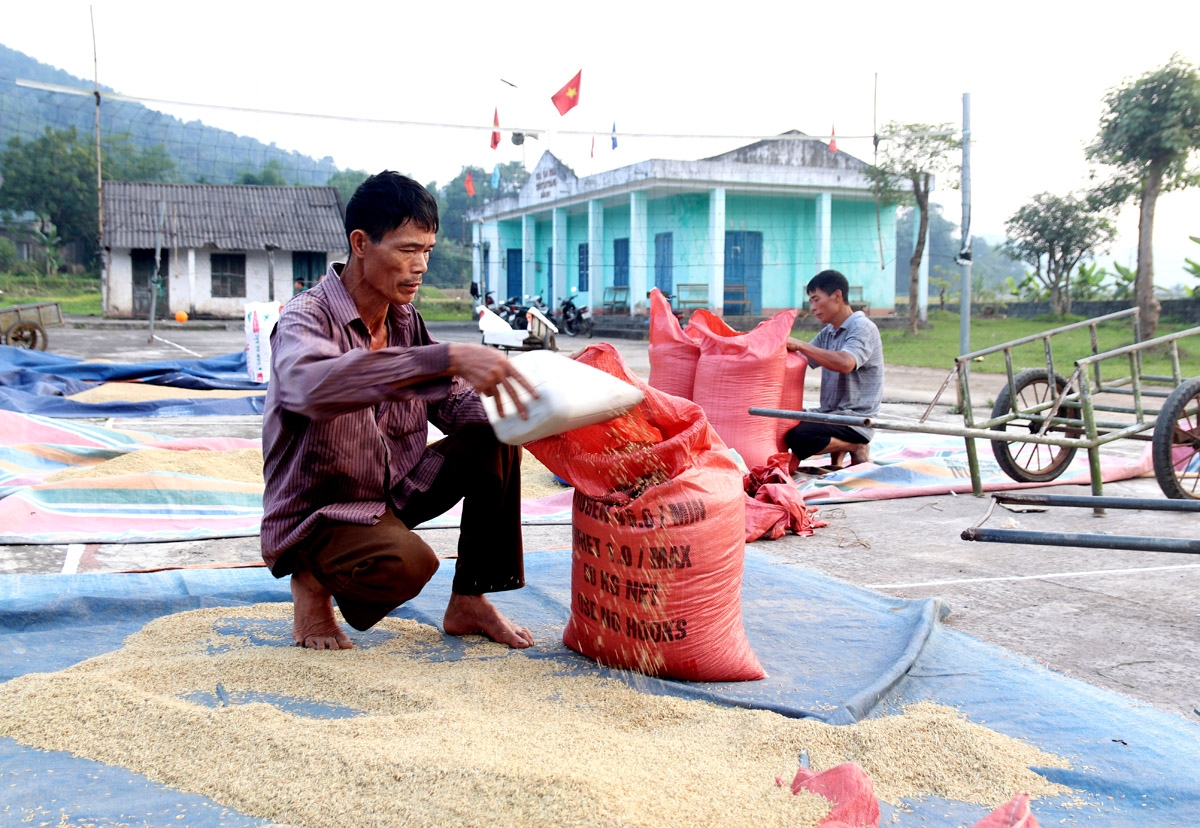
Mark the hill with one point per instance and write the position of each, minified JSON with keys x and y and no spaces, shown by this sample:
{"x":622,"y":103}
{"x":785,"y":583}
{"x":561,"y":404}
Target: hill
{"x":199,"y":152}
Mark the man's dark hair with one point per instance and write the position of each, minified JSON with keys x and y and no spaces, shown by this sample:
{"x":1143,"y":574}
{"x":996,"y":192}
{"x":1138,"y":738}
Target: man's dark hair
{"x":386,"y":201}
{"x":827,"y":281}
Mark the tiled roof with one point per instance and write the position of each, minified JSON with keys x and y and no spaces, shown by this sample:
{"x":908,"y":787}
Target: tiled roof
{"x":222,"y":217}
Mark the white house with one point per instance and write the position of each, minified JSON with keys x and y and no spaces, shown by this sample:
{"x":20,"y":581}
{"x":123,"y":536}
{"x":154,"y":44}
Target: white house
{"x":218,"y":246}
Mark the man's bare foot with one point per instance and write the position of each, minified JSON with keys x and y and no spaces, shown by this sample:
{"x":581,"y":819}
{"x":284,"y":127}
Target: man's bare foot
{"x":860,"y":454}
{"x":315,"y":626}
{"x":469,"y":614}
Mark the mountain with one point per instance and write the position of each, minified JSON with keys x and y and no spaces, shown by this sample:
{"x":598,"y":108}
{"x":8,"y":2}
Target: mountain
{"x":200,"y":153}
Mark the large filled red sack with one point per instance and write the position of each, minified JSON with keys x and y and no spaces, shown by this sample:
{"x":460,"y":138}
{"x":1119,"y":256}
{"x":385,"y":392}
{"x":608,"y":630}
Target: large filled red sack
{"x":740,"y":371}
{"x":850,"y":790}
{"x":657,"y":543}
{"x":673,"y":352}
{"x":792,"y":396}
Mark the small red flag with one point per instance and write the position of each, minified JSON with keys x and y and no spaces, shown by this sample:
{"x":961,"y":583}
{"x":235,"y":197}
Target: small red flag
{"x":469,"y":184}
{"x":832,"y":139}
{"x":566,"y":98}
{"x":496,"y":133}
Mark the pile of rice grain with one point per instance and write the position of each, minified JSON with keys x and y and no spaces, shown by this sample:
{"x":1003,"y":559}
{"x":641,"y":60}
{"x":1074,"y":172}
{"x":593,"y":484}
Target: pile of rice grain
{"x":242,"y":465}
{"x":493,"y":738}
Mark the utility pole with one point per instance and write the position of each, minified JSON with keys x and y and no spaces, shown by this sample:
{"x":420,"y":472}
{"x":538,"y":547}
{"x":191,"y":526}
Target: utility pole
{"x":99,"y":177}
{"x":964,"y":253}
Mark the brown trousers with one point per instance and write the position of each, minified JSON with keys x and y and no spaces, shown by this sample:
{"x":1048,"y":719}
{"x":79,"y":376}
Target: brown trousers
{"x":371,"y":570}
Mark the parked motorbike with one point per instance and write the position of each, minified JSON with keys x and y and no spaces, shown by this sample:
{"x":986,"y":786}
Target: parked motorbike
{"x":512,"y":311}
{"x":572,"y":319}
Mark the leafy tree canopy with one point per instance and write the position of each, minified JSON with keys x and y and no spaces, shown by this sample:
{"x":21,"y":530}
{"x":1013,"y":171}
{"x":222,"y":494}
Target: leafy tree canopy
{"x":347,"y":182}
{"x":1052,"y":234}
{"x":271,"y":175}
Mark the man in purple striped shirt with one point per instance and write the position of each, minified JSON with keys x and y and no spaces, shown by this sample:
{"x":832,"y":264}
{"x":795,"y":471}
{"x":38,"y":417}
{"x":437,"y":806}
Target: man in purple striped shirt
{"x":355,"y":380}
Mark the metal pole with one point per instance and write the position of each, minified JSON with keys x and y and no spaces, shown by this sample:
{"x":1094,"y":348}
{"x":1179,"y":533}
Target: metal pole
{"x":1185,"y":545}
{"x":964,"y":256}
{"x":99,"y":176}
{"x":154,"y":280}
{"x":1089,"y":502}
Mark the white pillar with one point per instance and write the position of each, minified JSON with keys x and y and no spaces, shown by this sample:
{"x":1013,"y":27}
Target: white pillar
{"x":824,"y":231}
{"x":716,"y":238}
{"x":639,"y":254}
{"x":559,"y":233}
{"x":922,"y":270}
{"x":191,"y":273}
{"x":528,"y":253}
{"x":595,"y":252}
{"x":491,"y":237}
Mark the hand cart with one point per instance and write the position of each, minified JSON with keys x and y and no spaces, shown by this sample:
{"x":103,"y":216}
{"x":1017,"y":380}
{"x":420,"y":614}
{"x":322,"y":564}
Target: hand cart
{"x":24,"y":326}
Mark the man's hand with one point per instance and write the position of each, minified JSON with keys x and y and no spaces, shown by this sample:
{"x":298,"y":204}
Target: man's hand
{"x":489,"y":372}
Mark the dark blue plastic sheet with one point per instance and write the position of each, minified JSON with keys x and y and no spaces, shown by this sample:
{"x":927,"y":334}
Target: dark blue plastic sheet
{"x":830,"y":650}
{"x":33,"y":382}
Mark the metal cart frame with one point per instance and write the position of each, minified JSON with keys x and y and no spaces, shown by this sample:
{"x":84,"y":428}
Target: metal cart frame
{"x":24,"y":326}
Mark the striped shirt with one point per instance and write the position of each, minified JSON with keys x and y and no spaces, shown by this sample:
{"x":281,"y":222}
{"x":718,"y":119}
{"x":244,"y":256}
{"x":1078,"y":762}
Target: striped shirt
{"x":858,"y":393}
{"x":345,"y":427}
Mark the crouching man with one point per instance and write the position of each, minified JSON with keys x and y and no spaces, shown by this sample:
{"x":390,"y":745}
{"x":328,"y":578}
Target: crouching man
{"x":355,"y":379}
{"x":849,"y":353}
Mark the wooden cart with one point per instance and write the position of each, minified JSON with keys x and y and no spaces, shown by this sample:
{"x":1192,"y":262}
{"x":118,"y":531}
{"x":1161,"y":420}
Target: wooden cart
{"x":24,"y":326}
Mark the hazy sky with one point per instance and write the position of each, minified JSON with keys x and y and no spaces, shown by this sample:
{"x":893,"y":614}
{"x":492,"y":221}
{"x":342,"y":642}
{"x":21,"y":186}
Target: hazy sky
{"x":1036,"y":71}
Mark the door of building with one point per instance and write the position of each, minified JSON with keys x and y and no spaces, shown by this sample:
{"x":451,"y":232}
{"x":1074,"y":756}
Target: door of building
{"x":307,"y":269}
{"x":143,"y":273}
{"x":664,"y":252}
{"x":620,"y":262}
{"x":743,"y":266}
{"x":515,"y":285}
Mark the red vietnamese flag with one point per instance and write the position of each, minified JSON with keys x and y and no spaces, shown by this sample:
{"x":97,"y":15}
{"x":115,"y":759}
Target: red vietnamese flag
{"x":469,"y":184}
{"x":496,"y":133}
{"x":566,"y":98}
{"x":832,"y":139}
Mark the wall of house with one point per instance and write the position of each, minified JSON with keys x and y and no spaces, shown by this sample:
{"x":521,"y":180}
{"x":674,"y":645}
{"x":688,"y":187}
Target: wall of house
{"x":855,"y":249}
{"x":685,"y":217}
{"x":179,"y":283}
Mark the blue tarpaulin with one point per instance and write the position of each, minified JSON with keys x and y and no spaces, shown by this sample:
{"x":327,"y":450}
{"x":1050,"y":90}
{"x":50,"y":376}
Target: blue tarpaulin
{"x":831,"y":651}
{"x":32,"y":382}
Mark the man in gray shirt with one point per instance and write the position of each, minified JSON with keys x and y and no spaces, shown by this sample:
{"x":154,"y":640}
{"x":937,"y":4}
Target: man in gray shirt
{"x":850,"y":354}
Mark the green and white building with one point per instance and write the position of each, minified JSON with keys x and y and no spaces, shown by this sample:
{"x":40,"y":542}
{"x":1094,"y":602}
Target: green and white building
{"x":745,"y":230}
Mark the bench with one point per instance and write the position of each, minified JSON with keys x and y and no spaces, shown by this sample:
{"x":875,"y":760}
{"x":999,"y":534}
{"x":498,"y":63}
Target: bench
{"x":855,"y":300}
{"x":736,"y":303}
{"x":690,"y":297}
{"x":616,"y":299}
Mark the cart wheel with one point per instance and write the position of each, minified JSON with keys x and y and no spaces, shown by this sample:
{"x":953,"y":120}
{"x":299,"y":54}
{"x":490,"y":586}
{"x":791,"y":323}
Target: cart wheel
{"x":550,"y":342}
{"x":1033,"y":462}
{"x":29,"y":335}
{"x":1176,"y":447}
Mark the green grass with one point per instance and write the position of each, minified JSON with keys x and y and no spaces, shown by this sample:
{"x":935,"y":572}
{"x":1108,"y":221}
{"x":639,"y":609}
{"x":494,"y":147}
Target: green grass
{"x":76,"y":295}
{"x":937,"y":346}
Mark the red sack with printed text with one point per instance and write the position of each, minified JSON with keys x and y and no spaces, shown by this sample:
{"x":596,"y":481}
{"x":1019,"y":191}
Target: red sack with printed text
{"x":658,"y":523}
{"x":738,"y":372}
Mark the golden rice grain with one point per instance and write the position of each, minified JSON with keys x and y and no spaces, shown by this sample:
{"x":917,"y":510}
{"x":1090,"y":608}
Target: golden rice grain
{"x":493,"y":738}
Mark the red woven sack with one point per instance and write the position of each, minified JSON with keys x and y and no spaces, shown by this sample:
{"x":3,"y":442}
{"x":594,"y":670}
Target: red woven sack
{"x":792,"y":398}
{"x":657,"y":540}
{"x":673,"y":352}
{"x":740,"y":371}
{"x":850,"y":790}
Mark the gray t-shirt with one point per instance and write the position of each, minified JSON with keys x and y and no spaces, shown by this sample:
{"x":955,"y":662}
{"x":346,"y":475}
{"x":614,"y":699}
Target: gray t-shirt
{"x":859,"y":392}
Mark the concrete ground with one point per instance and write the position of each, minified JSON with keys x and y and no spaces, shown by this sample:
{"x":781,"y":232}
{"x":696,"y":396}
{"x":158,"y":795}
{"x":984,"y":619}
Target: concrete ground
{"x":1125,"y":621}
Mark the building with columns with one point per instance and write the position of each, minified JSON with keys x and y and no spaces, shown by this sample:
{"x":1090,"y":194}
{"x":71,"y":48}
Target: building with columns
{"x":746,"y":229}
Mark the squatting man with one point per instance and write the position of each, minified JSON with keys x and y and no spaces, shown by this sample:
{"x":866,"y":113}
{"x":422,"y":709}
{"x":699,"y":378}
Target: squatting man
{"x":355,"y":380}
{"x":849,"y":353}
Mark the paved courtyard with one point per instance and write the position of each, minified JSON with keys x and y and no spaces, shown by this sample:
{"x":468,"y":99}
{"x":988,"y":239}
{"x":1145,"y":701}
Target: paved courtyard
{"x":1126,"y":621}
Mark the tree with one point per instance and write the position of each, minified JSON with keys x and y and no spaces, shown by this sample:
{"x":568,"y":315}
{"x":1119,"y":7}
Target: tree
{"x":1052,"y":234}
{"x":1148,"y":131}
{"x":271,"y":175}
{"x":54,"y":176}
{"x":347,"y":182}
{"x":909,"y":156}
{"x":1192,"y":268}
